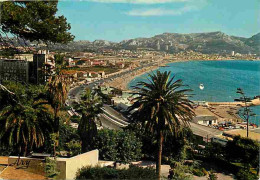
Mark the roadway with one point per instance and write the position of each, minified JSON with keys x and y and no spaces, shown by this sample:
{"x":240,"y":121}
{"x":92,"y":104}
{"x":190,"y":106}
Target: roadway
{"x":109,"y":118}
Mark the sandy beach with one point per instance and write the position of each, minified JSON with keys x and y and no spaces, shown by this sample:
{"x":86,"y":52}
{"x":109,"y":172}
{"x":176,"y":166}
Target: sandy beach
{"x":122,"y":81}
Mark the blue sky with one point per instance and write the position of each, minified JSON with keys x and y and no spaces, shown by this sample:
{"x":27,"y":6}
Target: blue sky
{"x":117,"y":20}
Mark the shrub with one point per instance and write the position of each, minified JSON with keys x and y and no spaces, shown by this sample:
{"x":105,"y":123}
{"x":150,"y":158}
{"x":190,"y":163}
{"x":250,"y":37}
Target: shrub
{"x":205,"y":172}
{"x":198,"y":172}
{"x":74,"y":147}
{"x":243,"y":150}
{"x":245,"y":174}
{"x":212,"y":176}
{"x":51,"y":168}
{"x":134,"y":172}
{"x":121,"y":146}
{"x":179,"y":171}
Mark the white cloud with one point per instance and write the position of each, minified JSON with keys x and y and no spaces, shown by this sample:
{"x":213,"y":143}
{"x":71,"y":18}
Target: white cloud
{"x":139,"y":1}
{"x":160,"y":11}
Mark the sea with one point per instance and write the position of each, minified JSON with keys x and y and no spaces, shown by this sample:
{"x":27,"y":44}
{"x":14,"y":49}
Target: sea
{"x":219,"y":78}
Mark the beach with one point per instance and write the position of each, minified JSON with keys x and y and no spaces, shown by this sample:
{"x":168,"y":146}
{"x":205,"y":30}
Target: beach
{"x":122,"y":81}
{"x":224,"y":111}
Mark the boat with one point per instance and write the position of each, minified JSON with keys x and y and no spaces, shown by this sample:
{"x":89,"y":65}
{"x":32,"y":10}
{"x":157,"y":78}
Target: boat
{"x":201,"y":86}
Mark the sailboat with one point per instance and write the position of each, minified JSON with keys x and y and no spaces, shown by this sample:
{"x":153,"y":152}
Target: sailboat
{"x":201,"y":86}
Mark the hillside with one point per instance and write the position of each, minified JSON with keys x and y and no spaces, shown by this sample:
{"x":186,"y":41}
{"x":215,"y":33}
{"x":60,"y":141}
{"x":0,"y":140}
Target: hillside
{"x":208,"y":43}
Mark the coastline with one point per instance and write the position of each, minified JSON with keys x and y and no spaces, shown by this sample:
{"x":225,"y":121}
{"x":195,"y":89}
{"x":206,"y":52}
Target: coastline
{"x":123,"y":81}
{"x":222,"y":109}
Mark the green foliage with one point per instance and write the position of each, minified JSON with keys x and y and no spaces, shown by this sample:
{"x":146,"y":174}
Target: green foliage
{"x":106,"y":143}
{"x":134,"y":172}
{"x":245,"y":174}
{"x":89,"y":106}
{"x":175,"y":146}
{"x":8,"y":52}
{"x":243,"y":150}
{"x":51,"y":168}
{"x":198,"y":172}
{"x":179,"y":171}
{"x":212,"y":175}
{"x":129,"y":147}
{"x":5,"y":151}
{"x":215,"y":150}
{"x":34,"y":20}
{"x":75,"y":119}
{"x":74,"y":147}
{"x":121,"y":146}
{"x":67,"y":134}
{"x":59,"y":59}
{"x":162,"y":107}
{"x":25,"y":119}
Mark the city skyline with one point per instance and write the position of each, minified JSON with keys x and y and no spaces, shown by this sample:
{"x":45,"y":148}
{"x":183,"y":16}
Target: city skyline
{"x":117,"y":20}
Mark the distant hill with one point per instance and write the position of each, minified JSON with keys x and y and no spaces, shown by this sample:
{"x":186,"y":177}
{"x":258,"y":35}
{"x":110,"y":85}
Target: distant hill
{"x":212,"y":42}
{"x":208,"y":43}
{"x":254,"y":42}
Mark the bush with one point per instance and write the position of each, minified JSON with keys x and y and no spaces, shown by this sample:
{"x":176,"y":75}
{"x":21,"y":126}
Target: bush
{"x":245,"y":174}
{"x":121,"y":146}
{"x":243,"y":150}
{"x":73,"y":147}
{"x":51,"y":168}
{"x":198,"y":172}
{"x":179,"y":171}
{"x":212,"y":176}
{"x":134,"y":172}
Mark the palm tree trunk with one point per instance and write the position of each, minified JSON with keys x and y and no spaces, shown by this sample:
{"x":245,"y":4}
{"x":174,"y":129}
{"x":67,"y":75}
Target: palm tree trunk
{"x":159,"y":158}
{"x":84,"y":146}
{"x":56,"y":130}
{"x":56,"y":120}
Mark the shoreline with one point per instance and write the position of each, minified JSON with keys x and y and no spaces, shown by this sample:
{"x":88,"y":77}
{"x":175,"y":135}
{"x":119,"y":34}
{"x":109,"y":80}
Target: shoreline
{"x":222,"y":109}
{"x":123,"y":81}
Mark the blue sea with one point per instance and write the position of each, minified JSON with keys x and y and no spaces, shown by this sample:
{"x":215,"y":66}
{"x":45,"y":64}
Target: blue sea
{"x":220,"y":79}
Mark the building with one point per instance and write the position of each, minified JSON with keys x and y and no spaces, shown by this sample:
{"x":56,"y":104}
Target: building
{"x":33,"y":68}
{"x":167,"y":47}
{"x":205,"y":120}
{"x":27,"y":57}
{"x":42,"y":67}
{"x":14,"y":70}
{"x":158,"y":47}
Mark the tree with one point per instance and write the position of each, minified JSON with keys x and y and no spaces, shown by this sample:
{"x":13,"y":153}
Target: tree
{"x":118,"y":145}
{"x":89,"y":107}
{"x":246,"y":112}
{"x":34,"y":21}
{"x":243,"y":150}
{"x":163,"y":107}
{"x":57,"y":89}
{"x":25,"y":122}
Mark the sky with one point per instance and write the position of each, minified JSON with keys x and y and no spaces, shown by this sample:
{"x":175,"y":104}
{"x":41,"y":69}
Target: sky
{"x":117,"y":20}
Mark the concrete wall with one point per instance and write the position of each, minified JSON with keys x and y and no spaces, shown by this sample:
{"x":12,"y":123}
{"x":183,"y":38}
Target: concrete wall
{"x":69,"y":166}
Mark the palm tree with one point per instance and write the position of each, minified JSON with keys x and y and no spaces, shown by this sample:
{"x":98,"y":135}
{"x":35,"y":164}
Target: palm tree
{"x":57,"y":90}
{"x":25,"y":126}
{"x":89,"y":107}
{"x":162,"y":107}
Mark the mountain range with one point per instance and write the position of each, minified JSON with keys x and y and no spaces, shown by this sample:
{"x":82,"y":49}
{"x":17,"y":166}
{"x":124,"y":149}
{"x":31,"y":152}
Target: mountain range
{"x":208,"y":43}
